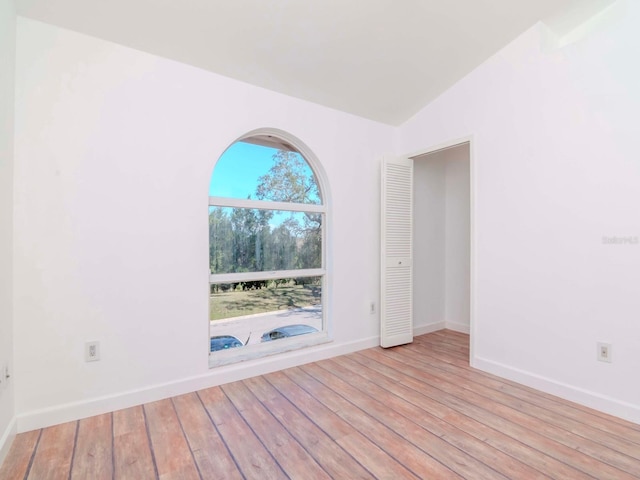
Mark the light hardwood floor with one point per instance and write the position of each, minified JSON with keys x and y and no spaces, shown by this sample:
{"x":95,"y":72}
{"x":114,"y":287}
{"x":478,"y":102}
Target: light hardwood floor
{"x":416,"y":411}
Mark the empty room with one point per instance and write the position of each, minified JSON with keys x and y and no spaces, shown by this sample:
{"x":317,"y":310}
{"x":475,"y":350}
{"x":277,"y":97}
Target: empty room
{"x":319,"y":239}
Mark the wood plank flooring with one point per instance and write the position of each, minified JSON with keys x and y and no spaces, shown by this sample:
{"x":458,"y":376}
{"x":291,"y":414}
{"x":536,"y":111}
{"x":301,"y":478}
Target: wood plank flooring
{"x":416,"y":411}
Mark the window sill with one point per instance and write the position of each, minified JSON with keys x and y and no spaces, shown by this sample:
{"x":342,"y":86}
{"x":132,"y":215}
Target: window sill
{"x":252,"y":352}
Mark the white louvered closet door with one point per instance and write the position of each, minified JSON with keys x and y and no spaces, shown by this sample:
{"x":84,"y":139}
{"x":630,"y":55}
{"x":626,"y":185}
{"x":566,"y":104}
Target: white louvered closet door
{"x":396,"y":304}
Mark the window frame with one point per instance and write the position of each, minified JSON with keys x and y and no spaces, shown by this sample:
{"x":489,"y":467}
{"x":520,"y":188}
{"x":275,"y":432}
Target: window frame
{"x":224,"y":357}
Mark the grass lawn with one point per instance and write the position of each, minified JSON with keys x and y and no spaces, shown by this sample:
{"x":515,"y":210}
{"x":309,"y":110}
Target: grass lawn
{"x":238,"y":303}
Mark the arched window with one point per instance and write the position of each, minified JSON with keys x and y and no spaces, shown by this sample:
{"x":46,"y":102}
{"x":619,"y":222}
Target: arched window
{"x":267,"y":223}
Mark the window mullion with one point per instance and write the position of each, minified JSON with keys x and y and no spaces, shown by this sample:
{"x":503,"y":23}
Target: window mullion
{"x":265,"y":205}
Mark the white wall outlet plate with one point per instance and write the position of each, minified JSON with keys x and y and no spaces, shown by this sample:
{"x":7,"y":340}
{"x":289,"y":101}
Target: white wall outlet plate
{"x":92,"y":351}
{"x":604,"y":352}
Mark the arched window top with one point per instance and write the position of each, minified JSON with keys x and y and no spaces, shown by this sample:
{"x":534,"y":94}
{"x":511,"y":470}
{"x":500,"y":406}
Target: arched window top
{"x":267,"y":168}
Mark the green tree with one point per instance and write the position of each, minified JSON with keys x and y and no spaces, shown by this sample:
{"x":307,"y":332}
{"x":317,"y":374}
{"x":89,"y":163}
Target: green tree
{"x":244,"y":224}
{"x":289,"y":180}
{"x":220,"y":241}
{"x":285,"y":248}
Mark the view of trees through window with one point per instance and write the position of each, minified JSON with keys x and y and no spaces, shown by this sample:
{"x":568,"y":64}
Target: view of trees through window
{"x":265,"y":245}
{"x":245,"y":240}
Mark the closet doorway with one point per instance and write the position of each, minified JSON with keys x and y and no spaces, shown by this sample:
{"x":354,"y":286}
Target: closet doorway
{"x":427,"y":243}
{"x":442,"y":233}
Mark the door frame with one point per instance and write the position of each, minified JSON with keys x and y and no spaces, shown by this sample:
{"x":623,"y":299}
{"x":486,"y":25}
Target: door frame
{"x":472,"y":226}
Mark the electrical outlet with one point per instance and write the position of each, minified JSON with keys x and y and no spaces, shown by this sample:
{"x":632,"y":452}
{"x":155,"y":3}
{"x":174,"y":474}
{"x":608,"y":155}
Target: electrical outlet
{"x":604,"y":352}
{"x":372,"y":308}
{"x":92,"y":351}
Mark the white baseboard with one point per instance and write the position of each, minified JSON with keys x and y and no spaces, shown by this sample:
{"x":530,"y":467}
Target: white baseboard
{"x":96,"y":406}
{"x":457,"y":327}
{"x":216,"y":376}
{"x":7,"y":439}
{"x":434,"y":327}
{"x":612,"y":406}
{"x":424,"y":329}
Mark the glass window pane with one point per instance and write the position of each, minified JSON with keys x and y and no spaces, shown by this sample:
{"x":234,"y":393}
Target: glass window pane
{"x":249,"y":313}
{"x":247,"y":170}
{"x":252,"y":240}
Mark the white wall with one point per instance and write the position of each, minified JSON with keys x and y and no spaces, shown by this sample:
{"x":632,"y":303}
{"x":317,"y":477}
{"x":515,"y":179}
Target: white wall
{"x":556,"y":169}
{"x":7,"y":72}
{"x":457,"y":234}
{"x":114,"y":151}
{"x":441,"y":240}
{"x":429,"y":244}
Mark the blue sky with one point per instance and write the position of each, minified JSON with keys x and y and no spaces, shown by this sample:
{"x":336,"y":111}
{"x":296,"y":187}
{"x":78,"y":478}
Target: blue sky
{"x":236,"y":173}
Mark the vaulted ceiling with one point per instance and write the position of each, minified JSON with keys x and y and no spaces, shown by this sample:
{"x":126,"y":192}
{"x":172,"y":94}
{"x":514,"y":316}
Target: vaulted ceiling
{"x":379,"y":59}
